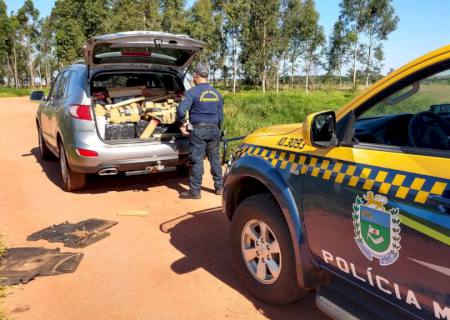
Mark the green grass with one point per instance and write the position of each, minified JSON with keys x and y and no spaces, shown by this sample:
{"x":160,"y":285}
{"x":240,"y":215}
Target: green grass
{"x":248,"y":110}
{"x":13,"y":92}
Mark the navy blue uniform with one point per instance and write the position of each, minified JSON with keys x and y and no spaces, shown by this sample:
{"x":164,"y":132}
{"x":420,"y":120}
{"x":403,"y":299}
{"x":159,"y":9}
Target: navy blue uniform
{"x":205,"y":107}
{"x":204,"y":103}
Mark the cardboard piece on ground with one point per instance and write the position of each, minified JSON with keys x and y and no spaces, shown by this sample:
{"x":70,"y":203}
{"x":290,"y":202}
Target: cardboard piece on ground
{"x":133,"y":213}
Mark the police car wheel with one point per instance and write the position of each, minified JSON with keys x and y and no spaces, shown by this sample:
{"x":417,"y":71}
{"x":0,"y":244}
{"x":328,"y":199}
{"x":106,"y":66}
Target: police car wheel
{"x":262,"y":250}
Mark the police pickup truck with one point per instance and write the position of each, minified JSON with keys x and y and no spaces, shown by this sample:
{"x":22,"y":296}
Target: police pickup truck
{"x":353,"y":204}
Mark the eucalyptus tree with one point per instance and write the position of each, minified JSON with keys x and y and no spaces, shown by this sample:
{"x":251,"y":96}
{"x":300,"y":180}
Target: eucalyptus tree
{"x":173,"y":16}
{"x":235,"y":11}
{"x":354,"y":16}
{"x":259,"y":39}
{"x":146,"y":13}
{"x":28,"y":16}
{"x":379,"y":23}
{"x":338,"y":47}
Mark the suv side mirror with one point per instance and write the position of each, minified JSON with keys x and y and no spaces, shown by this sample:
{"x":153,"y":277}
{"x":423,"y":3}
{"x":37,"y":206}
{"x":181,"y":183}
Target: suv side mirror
{"x":37,"y":95}
{"x":319,"y":129}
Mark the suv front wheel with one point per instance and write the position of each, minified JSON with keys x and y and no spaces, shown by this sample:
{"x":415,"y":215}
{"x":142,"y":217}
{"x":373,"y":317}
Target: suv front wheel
{"x":71,"y":180}
{"x":262,"y":250}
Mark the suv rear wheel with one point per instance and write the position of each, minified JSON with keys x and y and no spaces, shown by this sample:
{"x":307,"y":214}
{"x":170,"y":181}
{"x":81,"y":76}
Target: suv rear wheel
{"x":45,"y":152}
{"x":71,"y":180}
{"x":262,"y":250}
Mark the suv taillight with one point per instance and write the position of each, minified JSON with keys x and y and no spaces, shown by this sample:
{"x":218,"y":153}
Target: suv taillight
{"x":80,"y":111}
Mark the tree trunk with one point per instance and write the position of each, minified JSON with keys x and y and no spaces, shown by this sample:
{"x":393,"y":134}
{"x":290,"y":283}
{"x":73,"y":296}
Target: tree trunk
{"x":30,"y":58}
{"x":264,"y":60}
{"x":263,"y":82}
{"x":10,"y":72}
{"x":235,"y":57}
{"x":213,"y":76}
{"x":39,"y":75}
{"x":47,"y":73}
{"x":16,"y":73}
{"x":308,"y":66}
{"x":368,"y":60}
{"x":277,"y":80}
{"x":292,"y":70}
{"x":225,"y":78}
{"x":355,"y":49}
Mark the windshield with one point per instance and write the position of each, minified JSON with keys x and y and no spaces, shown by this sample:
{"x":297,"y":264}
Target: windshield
{"x":110,"y":53}
{"x":424,"y":95}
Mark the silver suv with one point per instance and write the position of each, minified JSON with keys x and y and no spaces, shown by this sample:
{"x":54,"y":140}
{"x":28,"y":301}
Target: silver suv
{"x":125,"y":65}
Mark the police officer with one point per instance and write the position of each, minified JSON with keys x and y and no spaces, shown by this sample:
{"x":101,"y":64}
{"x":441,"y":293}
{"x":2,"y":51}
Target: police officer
{"x":205,"y":107}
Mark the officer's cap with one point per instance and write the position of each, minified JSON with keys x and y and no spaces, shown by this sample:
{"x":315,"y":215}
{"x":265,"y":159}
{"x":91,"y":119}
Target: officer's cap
{"x":201,"y":70}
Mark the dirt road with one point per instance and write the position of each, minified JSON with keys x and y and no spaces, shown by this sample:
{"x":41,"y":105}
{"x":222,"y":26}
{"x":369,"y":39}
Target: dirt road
{"x":172,"y":264}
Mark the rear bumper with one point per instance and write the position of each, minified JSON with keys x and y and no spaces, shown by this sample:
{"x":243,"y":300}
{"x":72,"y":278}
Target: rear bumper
{"x":128,"y":165}
{"x":125,"y":156}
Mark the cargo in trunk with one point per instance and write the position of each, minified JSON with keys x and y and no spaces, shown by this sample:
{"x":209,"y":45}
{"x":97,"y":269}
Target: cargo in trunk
{"x":136,"y":106}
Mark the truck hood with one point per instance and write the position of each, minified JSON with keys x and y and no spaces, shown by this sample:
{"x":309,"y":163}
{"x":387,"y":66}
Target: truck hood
{"x":143,"y":49}
{"x":269,"y":135}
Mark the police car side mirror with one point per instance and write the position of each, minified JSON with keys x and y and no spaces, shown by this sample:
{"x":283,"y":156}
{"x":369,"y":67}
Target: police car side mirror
{"x":319,"y":129}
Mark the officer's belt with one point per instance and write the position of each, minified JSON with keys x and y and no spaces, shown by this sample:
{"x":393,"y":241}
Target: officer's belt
{"x":205,"y":125}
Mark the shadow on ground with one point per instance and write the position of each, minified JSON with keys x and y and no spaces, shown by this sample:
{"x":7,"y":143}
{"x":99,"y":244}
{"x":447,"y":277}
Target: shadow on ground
{"x":203,"y":238}
{"x":96,"y":184}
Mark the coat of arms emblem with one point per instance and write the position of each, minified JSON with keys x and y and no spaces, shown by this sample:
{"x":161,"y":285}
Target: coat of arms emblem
{"x":376,"y":229}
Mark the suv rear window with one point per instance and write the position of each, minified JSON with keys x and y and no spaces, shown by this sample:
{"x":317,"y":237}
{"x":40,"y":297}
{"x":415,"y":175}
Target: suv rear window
{"x":111,"y":53}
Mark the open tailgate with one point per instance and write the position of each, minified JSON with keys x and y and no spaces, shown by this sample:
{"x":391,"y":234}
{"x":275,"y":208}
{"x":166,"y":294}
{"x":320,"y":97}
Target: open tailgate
{"x":143,"y":48}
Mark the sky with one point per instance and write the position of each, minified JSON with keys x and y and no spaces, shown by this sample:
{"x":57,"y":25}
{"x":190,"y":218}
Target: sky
{"x":424,"y":26}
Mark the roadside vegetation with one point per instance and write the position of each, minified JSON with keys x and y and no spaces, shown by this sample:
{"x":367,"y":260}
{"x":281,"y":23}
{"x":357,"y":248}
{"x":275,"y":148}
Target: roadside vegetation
{"x":14,"y":92}
{"x":239,"y":50}
{"x":248,"y":110}
{"x":19,"y":92}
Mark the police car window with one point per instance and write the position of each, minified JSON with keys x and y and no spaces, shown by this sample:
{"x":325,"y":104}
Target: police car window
{"x":417,"y":115}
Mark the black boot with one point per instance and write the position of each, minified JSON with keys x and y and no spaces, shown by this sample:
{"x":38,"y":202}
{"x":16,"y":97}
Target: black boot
{"x":190,"y":195}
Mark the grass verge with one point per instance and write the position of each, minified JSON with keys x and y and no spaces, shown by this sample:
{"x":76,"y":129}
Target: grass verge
{"x":21,"y":92}
{"x":249,"y":110}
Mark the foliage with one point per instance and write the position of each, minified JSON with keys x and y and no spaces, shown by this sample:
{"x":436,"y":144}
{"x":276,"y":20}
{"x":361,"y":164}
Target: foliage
{"x":375,"y":18}
{"x":205,"y":23}
{"x":256,"y":43}
{"x":248,"y":110}
{"x":146,"y":15}
{"x":259,"y":37}
{"x":174,"y":16}
{"x":338,"y":47}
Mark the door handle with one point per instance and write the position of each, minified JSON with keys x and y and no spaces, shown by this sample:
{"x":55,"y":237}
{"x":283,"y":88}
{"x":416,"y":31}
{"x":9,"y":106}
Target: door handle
{"x":442,"y":202}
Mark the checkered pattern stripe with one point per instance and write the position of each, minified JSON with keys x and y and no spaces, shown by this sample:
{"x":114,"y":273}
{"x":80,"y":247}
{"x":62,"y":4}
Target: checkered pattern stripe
{"x":393,"y":183}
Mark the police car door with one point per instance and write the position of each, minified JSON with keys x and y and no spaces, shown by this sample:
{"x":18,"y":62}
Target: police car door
{"x":377,"y":209}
